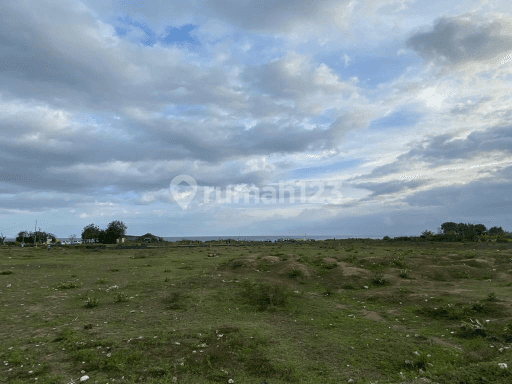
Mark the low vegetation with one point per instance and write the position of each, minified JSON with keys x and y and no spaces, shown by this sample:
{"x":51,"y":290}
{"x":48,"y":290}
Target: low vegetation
{"x":358,"y":311}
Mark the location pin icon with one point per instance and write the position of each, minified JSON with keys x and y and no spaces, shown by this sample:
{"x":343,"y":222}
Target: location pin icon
{"x":183,"y":201}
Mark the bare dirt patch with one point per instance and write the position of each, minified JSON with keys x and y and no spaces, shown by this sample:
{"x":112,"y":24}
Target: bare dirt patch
{"x":371,"y":315}
{"x":352,"y":271}
{"x":273,"y":259}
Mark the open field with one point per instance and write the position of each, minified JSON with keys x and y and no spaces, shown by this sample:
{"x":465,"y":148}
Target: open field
{"x":317,"y":312}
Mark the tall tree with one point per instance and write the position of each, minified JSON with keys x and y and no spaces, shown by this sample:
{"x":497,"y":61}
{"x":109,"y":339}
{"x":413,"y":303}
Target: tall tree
{"x":496,"y":231}
{"x":91,"y":233}
{"x":115,"y":230}
{"x":449,"y":227}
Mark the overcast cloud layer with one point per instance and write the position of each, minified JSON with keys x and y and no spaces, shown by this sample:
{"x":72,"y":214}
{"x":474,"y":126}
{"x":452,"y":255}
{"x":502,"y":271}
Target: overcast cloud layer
{"x":399,"y":109}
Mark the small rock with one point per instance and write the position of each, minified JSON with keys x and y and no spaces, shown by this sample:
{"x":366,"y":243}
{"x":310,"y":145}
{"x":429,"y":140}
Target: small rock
{"x":84,"y":378}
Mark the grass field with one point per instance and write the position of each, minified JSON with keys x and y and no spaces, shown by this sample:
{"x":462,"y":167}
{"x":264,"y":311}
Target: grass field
{"x":308,"y":312}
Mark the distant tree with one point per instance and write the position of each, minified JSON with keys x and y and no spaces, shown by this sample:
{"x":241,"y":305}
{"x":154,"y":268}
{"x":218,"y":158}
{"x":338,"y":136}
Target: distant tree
{"x":496,"y":231}
{"x":30,"y":237}
{"x":73,"y":238}
{"x":427,"y":234}
{"x":115,"y":230}
{"x":90,"y":233}
{"x":2,"y":238}
{"x":21,"y":236}
{"x":480,"y":229}
{"x":449,"y":227}
{"x":102,"y":236}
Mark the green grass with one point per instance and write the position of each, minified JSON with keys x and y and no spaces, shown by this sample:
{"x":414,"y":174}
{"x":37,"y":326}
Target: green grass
{"x":382,"y":312}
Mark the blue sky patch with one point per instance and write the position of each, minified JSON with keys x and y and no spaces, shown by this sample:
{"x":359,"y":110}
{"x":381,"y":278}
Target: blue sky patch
{"x":179,"y":35}
{"x":316,"y":171}
{"x":396,"y":119}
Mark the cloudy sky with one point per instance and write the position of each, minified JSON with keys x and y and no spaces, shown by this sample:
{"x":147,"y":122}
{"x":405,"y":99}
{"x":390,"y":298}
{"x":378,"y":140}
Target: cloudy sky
{"x":380,"y":117}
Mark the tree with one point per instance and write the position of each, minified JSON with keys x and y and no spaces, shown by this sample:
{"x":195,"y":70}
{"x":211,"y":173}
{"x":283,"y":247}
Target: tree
{"x":449,"y":227}
{"x":427,"y":234}
{"x":90,"y":233}
{"x":2,"y":238}
{"x":115,"y":230}
{"x":72,"y":238}
{"x":38,"y":236}
{"x":496,"y":231}
{"x":102,"y":236}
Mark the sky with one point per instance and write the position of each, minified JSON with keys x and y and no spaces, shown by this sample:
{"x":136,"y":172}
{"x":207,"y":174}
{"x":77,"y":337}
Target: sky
{"x":359,"y":118}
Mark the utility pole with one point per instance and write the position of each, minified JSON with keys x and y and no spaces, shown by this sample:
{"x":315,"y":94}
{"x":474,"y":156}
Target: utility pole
{"x":35,"y":231}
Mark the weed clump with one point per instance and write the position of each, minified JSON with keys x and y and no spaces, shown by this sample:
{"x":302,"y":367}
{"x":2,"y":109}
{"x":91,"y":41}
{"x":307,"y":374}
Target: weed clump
{"x":121,"y":297}
{"x":378,"y":279}
{"x":6,"y":273}
{"x":399,"y":262}
{"x":404,"y":273}
{"x":295,"y":273}
{"x":349,"y":286}
{"x":492,"y":297}
{"x":67,"y":285}
{"x":91,"y":302}
{"x":473,"y":328}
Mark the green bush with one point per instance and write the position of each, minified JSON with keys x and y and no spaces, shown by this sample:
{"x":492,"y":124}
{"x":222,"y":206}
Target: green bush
{"x":473,"y":328}
{"x":91,"y":302}
{"x":399,"y":262}
{"x":378,"y":279}
{"x":67,"y":285}
{"x":121,"y":297}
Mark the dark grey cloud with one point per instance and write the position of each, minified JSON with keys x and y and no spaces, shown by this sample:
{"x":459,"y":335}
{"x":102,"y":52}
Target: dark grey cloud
{"x":461,"y":41}
{"x":443,"y":149}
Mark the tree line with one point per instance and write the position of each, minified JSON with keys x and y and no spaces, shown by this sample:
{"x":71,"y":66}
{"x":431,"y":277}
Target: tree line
{"x":28,"y":237}
{"x":451,"y":231}
{"x":93,"y":234}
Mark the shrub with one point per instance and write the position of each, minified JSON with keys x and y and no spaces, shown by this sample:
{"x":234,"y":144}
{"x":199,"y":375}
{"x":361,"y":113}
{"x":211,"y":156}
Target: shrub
{"x":6,"y":273}
{"x":399,"y":262}
{"x":295,"y":272}
{"x":473,"y":328}
{"x":404,"y":273}
{"x":378,"y":279}
{"x":121,"y":297}
{"x":331,"y":265}
{"x":91,"y":302}
{"x":67,"y":285}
